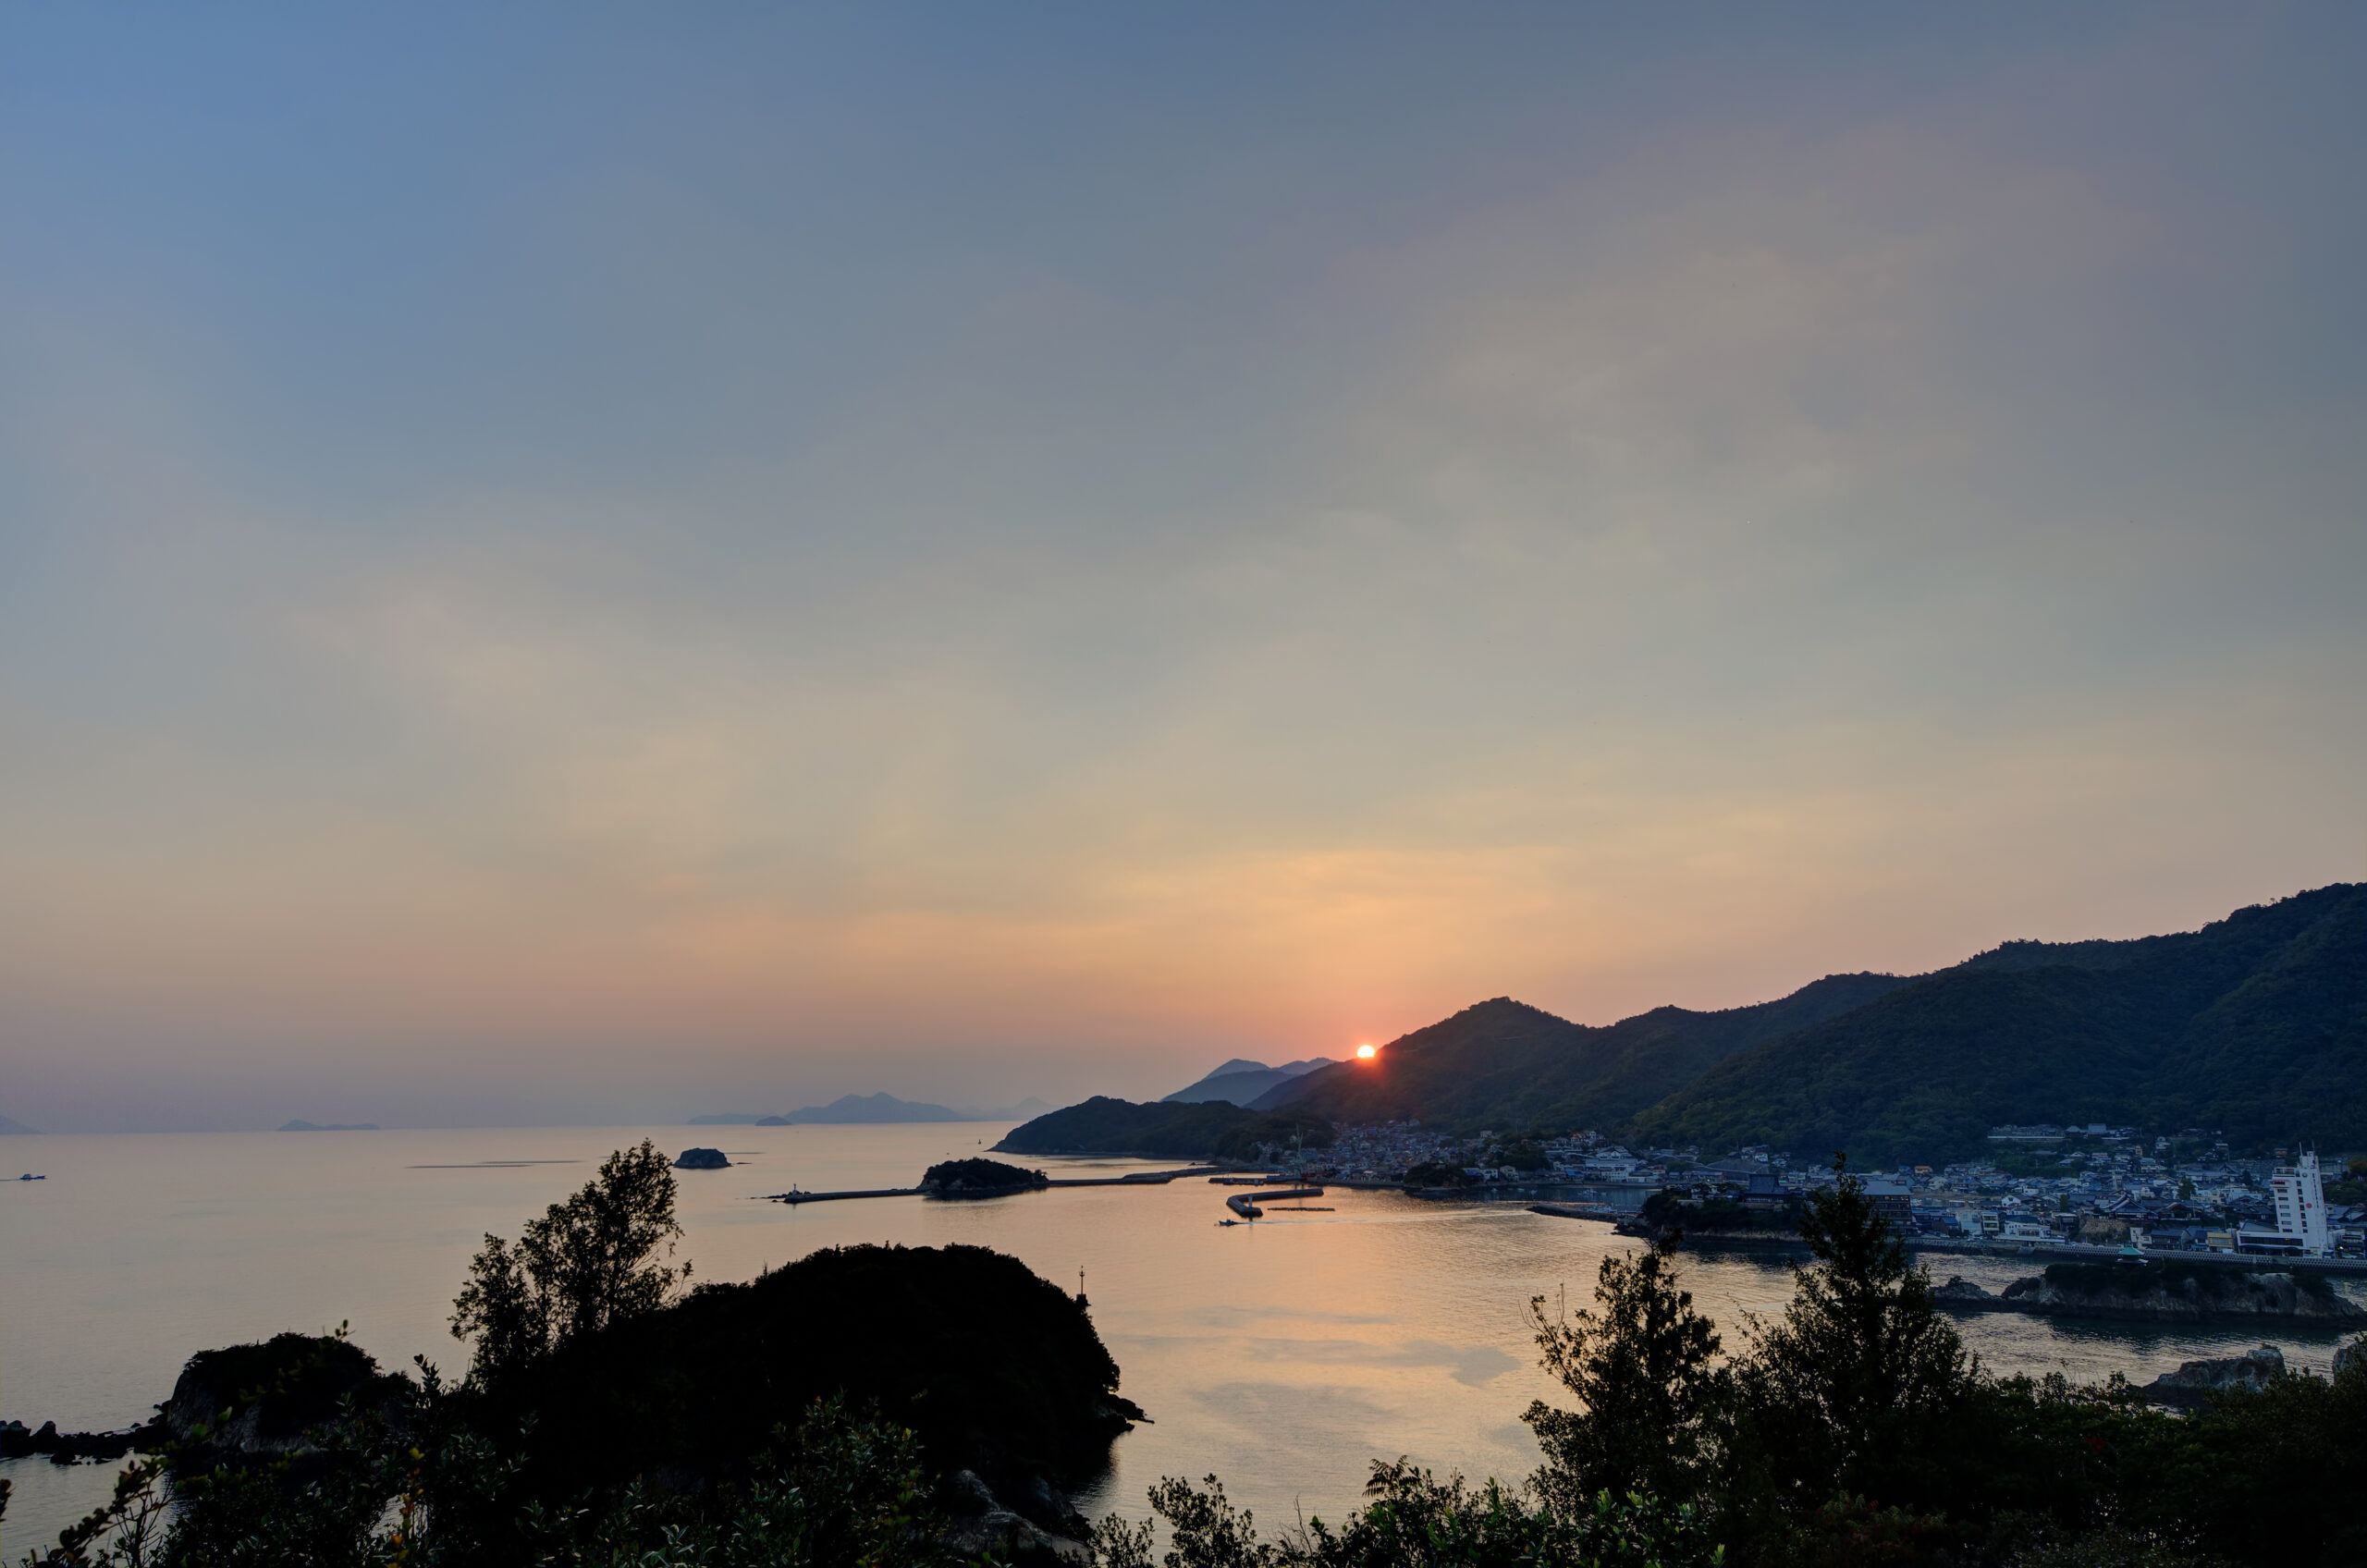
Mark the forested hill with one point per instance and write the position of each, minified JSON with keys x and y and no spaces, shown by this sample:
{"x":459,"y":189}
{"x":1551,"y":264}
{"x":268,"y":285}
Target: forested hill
{"x":2255,"y":1027}
{"x":1504,"y":1064}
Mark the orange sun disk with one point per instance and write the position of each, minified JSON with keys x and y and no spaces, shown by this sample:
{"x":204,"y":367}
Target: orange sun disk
{"x":1366,"y":1053}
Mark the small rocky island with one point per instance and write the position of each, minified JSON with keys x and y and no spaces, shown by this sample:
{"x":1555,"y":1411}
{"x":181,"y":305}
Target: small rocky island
{"x":703,"y":1159}
{"x":2195,"y":1292}
{"x":979,"y":1178}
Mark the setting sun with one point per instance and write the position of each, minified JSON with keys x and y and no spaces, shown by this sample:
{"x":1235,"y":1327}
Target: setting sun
{"x":1366,"y":1053}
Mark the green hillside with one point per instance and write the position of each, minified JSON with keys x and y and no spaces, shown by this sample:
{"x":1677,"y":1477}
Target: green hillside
{"x":2255,"y":1027}
{"x":1505,"y":1065}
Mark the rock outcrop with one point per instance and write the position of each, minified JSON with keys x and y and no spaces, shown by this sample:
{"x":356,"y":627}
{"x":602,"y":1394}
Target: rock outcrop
{"x":979,"y":1525}
{"x":1959,"y":1290}
{"x":703,"y":1159}
{"x":979,"y":1178}
{"x":261,"y":1401}
{"x":2163,"y":1293}
{"x":2195,"y":1381}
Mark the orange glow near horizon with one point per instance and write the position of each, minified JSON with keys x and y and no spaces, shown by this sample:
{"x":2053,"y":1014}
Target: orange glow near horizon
{"x":1366,"y":1053}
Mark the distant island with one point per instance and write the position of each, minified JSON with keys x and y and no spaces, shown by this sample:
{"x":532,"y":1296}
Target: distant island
{"x":302,"y":1126}
{"x":858,"y":1108}
{"x":7,"y":1126}
{"x":1241,"y":1082}
{"x":870,"y":1109}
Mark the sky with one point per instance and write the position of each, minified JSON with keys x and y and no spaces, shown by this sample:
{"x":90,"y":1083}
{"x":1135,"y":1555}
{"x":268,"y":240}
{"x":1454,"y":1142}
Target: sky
{"x":577,"y":562}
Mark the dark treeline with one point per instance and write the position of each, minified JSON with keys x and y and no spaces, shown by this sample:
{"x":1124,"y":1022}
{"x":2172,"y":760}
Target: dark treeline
{"x":937,"y":1400}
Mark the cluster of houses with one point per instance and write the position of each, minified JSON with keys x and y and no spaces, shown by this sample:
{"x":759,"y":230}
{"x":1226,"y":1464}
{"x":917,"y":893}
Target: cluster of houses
{"x":2123,"y":1192}
{"x":2044,"y":1182}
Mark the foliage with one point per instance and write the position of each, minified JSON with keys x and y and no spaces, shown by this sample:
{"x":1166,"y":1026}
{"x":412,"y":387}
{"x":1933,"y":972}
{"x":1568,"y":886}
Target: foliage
{"x":1853,"y":1389}
{"x":131,"y":1530}
{"x":586,"y":1264}
{"x":1643,"y":1374}
{"x":840,"y":1490}
{"x":1413,"y":1520}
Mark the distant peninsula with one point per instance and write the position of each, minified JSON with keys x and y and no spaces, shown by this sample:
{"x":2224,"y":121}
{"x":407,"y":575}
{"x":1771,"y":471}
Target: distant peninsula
{"x":300,"y":1125}
{"x":1213,"y":1129}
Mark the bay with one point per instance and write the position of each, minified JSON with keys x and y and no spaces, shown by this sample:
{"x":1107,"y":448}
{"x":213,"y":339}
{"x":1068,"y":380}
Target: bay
{"x":1284,"y":1355}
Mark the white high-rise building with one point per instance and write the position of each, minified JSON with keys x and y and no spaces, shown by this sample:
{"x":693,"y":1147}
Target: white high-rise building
{"x":2301,"y":1203}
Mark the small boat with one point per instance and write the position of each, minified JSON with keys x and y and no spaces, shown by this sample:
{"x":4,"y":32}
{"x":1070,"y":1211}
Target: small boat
{"x":29,"y":1176}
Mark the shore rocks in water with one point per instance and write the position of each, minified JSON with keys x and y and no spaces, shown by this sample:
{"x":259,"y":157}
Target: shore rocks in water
{"x":703,"y":1159}
{"x":2162,"y":1294}
{"x":68,"y":1448}
{"x":2195,"y":1381}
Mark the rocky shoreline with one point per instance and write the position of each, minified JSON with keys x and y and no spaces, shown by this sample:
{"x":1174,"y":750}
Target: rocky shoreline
{"x":2195,"y":1295}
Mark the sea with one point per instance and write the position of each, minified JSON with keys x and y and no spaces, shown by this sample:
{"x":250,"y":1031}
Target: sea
{"x":1284,"y":1356}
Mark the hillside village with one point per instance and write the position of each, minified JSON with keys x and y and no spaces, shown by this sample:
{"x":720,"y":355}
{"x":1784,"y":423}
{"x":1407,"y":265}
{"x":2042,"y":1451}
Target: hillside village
{"x":2041,"y":1184}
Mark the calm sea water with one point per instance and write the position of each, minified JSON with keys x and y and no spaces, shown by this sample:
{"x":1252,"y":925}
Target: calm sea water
{"x":1284,"y":1355}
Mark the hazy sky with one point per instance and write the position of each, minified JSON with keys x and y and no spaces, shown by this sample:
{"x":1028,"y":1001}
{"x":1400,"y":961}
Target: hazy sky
{"x":579,"y":562}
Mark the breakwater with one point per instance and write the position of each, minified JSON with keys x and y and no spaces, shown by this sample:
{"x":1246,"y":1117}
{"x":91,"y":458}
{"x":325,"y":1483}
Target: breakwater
{"x":1134,"y":1179}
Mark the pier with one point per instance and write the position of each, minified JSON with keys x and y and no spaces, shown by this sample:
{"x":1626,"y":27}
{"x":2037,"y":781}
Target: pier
{"x":1245,"y":1204}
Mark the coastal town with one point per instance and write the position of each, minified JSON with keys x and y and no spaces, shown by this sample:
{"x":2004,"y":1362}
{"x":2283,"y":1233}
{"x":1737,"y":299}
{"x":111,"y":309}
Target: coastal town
{"x":2045,"y":1183}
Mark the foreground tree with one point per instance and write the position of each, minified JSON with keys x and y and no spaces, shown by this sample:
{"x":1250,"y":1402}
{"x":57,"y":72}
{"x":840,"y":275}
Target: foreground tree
{"x":1643,"y":1375}
{"x":585,"y":1264}
{"x":1853,"y":1391}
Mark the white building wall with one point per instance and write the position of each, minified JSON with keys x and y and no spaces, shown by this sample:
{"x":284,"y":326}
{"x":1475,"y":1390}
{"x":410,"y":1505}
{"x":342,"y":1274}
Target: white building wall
{"x":2301,"y":1203}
